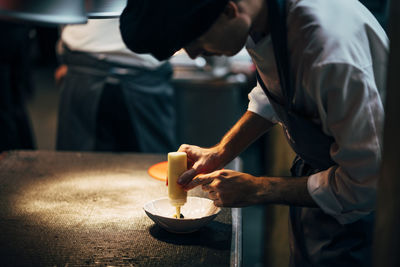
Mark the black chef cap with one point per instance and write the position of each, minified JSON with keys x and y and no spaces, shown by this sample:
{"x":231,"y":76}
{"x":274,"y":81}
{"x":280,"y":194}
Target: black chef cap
{"x":162,"y":27}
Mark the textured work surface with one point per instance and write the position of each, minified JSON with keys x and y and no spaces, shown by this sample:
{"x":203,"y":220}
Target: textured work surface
{"x":78,"y":209}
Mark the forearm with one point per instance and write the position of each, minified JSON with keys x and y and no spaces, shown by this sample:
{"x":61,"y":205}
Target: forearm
{"x":284,"y":190}
{"x":250,"y":127}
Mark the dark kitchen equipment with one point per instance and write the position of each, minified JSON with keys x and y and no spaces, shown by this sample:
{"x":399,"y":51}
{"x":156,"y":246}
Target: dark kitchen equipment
{"x":55,"y":12}
{"x":104,"y":8}
{"x":48,"y":12}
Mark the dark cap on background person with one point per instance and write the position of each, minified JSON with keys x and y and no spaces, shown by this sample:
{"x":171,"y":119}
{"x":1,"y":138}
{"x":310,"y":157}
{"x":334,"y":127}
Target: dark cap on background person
{"x":162,"y":27}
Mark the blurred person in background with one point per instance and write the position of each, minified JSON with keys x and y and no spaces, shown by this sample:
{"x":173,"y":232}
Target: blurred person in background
{"x":111,"y":98}
{"x":15,"y":86}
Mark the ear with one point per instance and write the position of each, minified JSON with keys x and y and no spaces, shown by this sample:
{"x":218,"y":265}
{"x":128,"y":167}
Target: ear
{"x":231,"y":10}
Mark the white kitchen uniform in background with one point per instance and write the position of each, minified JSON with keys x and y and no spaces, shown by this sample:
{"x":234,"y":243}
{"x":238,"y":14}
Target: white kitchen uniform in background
{"x":102,"y":37}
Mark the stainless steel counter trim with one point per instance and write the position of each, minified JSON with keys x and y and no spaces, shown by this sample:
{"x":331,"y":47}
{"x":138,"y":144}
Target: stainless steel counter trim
{"x":236,"y":244}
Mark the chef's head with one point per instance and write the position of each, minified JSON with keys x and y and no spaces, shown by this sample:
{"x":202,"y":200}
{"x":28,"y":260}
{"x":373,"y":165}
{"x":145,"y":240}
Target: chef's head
{"x":207,"y":27}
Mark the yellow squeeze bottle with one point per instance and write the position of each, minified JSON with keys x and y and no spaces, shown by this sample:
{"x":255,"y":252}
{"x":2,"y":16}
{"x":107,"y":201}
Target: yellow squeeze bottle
{"x":177,"y":164}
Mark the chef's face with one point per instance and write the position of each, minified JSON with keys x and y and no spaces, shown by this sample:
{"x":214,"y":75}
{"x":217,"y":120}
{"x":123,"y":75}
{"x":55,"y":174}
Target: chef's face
{"x":227,"y":35}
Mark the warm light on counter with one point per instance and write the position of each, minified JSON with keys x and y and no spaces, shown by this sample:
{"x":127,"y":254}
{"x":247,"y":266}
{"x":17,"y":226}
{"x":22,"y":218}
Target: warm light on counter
{"x":89,"y":199}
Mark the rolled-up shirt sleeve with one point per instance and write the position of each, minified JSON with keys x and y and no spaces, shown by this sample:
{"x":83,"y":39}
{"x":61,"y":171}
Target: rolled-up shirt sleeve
{"x":259,"y":104}
{"x":352,"y":113}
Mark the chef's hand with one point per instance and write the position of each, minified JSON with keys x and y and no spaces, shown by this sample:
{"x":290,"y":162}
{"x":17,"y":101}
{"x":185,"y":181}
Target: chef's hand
{"x":200,"y":160}
{"x":228,"y":188}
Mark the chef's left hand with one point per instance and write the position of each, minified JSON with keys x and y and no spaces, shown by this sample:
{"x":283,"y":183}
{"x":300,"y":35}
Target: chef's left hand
{"x":227,"y":188}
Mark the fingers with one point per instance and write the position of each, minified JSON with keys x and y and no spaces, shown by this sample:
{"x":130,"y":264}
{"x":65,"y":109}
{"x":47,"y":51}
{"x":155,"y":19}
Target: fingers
{"x":211,"y":186}
{"x":187,"y":176}
{"x":184,"y":148}
{"x":214,"y":196}
{"x":200,"y":180}
{"x":191,"y":151}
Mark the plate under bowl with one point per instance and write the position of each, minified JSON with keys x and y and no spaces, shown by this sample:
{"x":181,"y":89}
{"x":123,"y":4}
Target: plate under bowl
{"x":197,"y":213}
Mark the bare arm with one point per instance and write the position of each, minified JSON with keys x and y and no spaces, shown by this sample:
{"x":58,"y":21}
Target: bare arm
{"x":243,"y":133}
{"x":235,"y":189}
{"x":286,"y":190}
{"x":248,"y":129}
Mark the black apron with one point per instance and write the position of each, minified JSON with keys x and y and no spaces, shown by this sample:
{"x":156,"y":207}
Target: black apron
{"x":316,"y":238}
{"x":105,"y":106}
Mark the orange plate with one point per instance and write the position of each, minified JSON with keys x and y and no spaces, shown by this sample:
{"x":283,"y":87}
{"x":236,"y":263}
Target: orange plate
{"x":159,"y":171}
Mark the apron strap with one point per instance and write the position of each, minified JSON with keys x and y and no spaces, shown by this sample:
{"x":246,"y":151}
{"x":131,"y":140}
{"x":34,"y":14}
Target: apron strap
{"x":277,"y":20}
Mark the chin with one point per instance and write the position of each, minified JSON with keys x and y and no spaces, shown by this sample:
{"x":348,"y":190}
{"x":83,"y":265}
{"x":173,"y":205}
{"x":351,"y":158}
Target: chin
{"x":232,"y":52}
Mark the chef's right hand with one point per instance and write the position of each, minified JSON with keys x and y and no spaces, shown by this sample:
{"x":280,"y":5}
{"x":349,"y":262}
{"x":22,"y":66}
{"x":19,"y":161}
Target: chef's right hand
{"x":200,"y":161}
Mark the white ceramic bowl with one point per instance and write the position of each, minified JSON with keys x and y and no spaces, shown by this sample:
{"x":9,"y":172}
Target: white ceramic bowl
{"x":197,"y":212}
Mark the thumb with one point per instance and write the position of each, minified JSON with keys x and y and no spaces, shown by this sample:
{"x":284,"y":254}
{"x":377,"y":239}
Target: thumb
{"x":199,"y":180}
{"x":187,"y":176}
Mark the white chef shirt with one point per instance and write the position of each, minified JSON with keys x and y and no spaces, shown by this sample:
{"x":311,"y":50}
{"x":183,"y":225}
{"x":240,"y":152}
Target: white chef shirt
{"x":102,"y":39}
{"x":338,"y":54}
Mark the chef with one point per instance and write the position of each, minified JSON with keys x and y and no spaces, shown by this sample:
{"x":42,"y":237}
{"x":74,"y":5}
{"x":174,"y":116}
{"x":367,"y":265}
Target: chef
{"x":321,"y":73}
